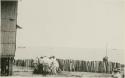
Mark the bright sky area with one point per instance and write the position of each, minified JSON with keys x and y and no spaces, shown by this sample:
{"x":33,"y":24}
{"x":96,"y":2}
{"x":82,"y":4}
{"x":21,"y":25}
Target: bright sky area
{"x":77,"y":29}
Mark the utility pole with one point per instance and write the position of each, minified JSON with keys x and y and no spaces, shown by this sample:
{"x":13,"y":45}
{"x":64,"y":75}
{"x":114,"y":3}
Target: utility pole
{"x":106,"y":49}
{"x":105,"y":59}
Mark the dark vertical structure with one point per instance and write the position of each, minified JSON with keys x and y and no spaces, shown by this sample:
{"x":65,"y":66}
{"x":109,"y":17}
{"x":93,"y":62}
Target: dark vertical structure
{"x":8,"y":35}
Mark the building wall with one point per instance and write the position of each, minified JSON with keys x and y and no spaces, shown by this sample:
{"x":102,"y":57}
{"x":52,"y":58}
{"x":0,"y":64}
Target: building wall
{"x":7,"y":36}
{"x":0,"y":39}
{"x":8,"y":28}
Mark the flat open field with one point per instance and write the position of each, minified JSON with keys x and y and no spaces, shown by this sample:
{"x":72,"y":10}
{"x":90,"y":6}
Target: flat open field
{"x":63,"y":74}
{"x":27,"y":72}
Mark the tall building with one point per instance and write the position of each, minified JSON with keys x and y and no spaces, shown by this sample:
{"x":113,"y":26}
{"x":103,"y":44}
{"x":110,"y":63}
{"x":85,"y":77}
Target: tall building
{"x":8,"y":27}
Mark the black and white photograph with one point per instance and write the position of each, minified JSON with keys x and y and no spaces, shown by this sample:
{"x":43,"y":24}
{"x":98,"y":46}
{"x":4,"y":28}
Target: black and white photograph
{"x":62,"y":38}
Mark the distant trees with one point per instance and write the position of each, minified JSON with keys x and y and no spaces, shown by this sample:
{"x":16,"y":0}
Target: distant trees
{"x":105,"y":59}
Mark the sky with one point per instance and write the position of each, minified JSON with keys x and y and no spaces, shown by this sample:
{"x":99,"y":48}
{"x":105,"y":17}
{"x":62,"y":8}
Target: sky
{"x":78,"y":29}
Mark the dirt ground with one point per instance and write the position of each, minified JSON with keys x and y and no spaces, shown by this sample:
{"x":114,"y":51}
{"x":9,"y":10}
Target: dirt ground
{"x":28,"y":72}
{"x":62,"y":74}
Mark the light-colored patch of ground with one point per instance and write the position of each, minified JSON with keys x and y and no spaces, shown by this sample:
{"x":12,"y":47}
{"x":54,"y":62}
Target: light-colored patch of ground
{"x":28,"y":72}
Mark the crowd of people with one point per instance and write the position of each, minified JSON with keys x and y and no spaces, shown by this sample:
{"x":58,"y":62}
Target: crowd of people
{"x":46,"y":65}
{"x":51,"y":66}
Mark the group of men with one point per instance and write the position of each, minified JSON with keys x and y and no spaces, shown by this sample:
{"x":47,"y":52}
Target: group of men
{"x":46,"y":65}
